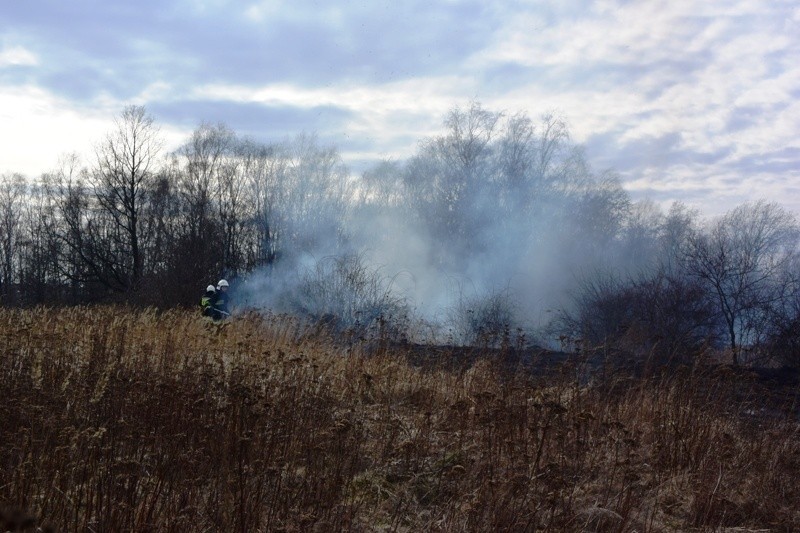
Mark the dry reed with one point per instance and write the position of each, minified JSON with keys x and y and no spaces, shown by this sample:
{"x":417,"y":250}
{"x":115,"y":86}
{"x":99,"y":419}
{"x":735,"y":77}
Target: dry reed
{"x":115,"y":419}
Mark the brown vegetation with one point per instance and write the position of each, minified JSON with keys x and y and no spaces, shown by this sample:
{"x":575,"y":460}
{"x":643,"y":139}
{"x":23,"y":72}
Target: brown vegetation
{"x":115,"y":419}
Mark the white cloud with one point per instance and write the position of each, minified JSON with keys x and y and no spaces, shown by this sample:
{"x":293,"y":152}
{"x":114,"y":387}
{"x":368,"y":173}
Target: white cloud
{"x":17,"y":56}
{"x":40,"y":127}
{"x":707,"y":87}
{"x":380,"y":112}
{"x":264,"y":10}
{"x":646,"y":70}
{"x":272,"y":11}
{"x":638,"y":33}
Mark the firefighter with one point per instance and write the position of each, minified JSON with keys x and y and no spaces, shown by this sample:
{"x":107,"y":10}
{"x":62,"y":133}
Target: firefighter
{"x":207,"y":301}
{"x":221,"y":302}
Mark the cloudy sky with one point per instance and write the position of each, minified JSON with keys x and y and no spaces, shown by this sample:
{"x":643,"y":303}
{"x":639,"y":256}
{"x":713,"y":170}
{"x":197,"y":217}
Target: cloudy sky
{"x":692,"y":101}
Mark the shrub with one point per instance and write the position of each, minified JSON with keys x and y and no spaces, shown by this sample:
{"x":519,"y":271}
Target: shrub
{"x":348,"y":294}
{"x":486,"y":319}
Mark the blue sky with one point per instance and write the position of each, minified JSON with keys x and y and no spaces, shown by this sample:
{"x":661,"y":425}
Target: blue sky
{"x":690,"y":101}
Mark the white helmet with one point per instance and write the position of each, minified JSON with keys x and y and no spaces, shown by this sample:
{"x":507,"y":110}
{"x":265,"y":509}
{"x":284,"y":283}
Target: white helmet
{"x":211,"y":288}
{"x":222,"y":283}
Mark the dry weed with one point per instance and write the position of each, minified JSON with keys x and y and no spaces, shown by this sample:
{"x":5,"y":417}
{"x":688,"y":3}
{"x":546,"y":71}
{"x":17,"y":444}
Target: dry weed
{"x":115,"y":419}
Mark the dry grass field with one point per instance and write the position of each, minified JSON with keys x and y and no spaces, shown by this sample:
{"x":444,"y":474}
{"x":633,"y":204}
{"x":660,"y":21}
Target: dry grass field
{"x":114,"y":419}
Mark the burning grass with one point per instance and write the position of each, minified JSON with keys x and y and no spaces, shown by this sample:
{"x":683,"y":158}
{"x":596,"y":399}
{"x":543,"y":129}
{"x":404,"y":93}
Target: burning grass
{"x":115,"y":419}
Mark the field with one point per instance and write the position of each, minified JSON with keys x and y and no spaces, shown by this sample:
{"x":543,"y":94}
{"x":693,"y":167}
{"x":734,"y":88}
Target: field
{"x":115,"y":419}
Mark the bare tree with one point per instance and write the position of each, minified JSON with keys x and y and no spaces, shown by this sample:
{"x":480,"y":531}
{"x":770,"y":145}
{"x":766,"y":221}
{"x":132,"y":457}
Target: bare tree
{"x":39,"y":275}
{"x":678,"y":226}
{"x":265,"y":167}
{"x":313,"y":197}
{"x":201,"y":159}
{"x":196,"y":255}
{"x":640,"y":235}
{"x":447,"y":184}
{"x":783,"y":337}
{"x":69,"y":199}
{"x":469,"y":135}
{"x":160,"y":223}
{"x":12,"y":198}
{"x":517,"y":150}
{"x":233,"y":206}
{"x":552,"y":140}
{"x":740,"y":259}
{"x":123,"y":175}
{"x":600,"y":214}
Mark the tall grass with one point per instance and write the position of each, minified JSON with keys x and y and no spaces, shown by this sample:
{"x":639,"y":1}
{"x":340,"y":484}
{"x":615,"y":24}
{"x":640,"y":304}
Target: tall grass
{"x":115,"y":419}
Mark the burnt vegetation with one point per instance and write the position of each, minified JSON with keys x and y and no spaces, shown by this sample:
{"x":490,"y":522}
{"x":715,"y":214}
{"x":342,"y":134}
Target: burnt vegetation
{"x":487,"y":336}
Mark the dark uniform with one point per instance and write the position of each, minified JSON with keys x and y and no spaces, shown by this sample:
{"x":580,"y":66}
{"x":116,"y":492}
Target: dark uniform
{"x":221,"y":301}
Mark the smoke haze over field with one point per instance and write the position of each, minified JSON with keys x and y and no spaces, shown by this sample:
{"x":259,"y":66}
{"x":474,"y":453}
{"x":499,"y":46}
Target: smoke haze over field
{"x":497,"y":214}
{"x":497,"y":229}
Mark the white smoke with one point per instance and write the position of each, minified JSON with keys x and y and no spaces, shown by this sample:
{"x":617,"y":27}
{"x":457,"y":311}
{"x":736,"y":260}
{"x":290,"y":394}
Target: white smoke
{"x":494,"y":220}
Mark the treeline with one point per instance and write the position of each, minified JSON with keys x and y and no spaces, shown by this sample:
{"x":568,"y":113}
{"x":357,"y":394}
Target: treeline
{"x":144,"y":227}
{"x":514,"y":207}
{"x":498,"y":223}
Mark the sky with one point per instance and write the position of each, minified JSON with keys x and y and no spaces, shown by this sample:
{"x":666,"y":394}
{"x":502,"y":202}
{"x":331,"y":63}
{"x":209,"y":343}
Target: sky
{"x":688,"y":101}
